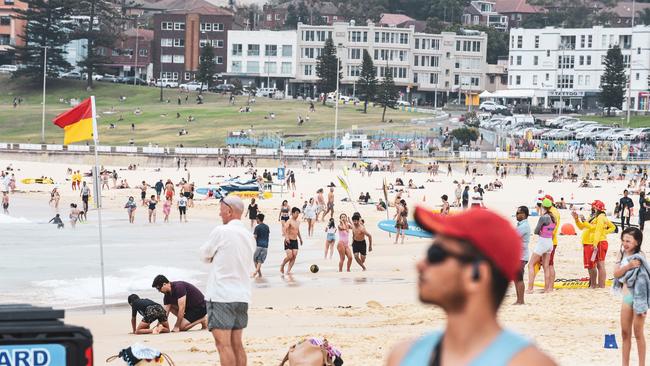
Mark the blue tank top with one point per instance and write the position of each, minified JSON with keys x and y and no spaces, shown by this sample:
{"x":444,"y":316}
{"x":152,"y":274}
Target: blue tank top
{"x":499,"y":353}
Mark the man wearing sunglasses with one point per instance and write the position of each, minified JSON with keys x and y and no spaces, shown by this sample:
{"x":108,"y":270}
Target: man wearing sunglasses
{"x":474,"y":257}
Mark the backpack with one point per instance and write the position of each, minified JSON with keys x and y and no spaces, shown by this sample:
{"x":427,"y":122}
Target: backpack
{"x":140,"y":355}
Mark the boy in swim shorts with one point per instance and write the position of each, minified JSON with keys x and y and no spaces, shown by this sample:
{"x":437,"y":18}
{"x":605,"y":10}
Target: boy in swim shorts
{"x":359,"y":234}
{"x":150,"y":312}
{"x":291,"y":233}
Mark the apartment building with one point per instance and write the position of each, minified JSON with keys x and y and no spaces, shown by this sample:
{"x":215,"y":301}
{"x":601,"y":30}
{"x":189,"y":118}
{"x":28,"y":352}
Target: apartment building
{"x":11,"y":29}
{"x":483,"y":12}
{"x":567,"y":64}
{"x":131,"y":54}
{"x":180,"y":34}
{"x":266,"y":58}
{"x":275,"y":16}
{"x":427,"y":67}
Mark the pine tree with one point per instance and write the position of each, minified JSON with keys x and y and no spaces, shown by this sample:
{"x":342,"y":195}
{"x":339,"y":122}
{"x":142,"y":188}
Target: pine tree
{"x":367,"y":83}
{"x":327,"y":69}
{"x":207,"y":66}
{"x":292,"y":17}
{"x":388,"y":93}
{"x":613,"y":82}
{"x":48,"y":24}
{"x":100,"y":27}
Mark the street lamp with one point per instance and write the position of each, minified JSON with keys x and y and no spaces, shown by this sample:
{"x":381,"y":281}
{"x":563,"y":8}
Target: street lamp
{"x":137,"y":38}
{"x":44,"y":83}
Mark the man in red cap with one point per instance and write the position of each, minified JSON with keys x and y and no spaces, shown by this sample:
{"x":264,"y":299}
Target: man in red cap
{"x":594,"y":242}
{"x":467,"y":270}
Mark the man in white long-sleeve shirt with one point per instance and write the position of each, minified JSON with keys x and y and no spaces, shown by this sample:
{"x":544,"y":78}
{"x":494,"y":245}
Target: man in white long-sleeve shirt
{"x":229,"y":250}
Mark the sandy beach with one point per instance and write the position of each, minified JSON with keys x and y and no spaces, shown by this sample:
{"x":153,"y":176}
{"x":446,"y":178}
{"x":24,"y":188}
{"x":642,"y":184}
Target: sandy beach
{"x":363,"y":313}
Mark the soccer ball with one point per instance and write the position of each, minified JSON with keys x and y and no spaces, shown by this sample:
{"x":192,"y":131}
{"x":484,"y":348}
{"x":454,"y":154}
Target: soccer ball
{"x":313,"y":268}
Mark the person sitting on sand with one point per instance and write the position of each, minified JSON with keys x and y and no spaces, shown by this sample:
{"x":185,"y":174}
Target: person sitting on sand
{"x":412,"y":185}
{"x":150,"y":312}
{"x":183,"y":300}
{"x":381,"y":206}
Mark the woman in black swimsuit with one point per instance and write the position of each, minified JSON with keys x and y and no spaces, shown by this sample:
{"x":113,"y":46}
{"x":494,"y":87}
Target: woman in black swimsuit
{"x":252,"y":212}
{"x":152,"y":208}
{"x":284,"y":212}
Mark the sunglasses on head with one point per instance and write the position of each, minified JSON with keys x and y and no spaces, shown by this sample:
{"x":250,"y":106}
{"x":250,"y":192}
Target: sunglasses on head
{"x":437,"y":254}
{"x":225,"y":203}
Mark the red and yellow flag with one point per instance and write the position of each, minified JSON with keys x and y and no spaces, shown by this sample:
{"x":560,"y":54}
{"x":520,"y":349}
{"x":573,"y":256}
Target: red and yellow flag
{"x":77,"y":122}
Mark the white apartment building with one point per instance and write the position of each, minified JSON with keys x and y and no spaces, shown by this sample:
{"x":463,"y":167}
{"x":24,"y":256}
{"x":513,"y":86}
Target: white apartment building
{"x":567,"y":64}
{"x":265,"y":58}
{"x":428,"y":66}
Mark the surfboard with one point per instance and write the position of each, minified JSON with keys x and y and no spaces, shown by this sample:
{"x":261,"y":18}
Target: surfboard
{"x":413,"y":230}
{"x":251,"y":194}
{"x":571,"y":283}
{"x":204,"y":190}
{"x":37,"y":181}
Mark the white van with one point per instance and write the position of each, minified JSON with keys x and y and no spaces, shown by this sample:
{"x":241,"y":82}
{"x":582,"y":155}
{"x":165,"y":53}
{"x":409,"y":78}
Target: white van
{"x":517,"y":120}
{"x":8,"y":69}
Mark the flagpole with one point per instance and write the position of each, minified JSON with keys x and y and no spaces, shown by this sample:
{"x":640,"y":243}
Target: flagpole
{"x":98,"y":201}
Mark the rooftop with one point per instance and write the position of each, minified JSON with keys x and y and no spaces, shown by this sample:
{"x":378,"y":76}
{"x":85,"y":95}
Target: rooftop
{"x":394,"y":19}
{"x":515,"y":6}
{"x":186,"y":6}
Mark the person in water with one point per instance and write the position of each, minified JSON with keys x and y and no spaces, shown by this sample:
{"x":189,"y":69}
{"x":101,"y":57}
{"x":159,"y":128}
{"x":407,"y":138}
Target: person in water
{"x":467,"y":272}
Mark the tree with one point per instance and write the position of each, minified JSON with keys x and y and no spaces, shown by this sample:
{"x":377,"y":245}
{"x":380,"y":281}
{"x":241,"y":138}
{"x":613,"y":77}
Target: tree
{"x":327,"y":69}
{"x":207,"y":67}
{"x":291,"y":22}
{"x":644,"y":17}
{"x":613,"y":82}
{"x":465,"y":135}
{"x":388,"y":93}
{"x":100,"y":27}
{"x":303,"y":13}
{"x":367,"y":83}
{"x":238,"y":88}
{"x":48,"y":24}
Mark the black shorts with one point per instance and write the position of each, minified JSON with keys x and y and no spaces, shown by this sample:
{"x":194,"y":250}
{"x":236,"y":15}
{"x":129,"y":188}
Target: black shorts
{"x":359,"y":246}
{"x":292,"y":244}
{"x":84,"y":199}
{"x":182,"y":210}
{"x":194,"y":314}
{"x":284,"y":218}
{"x":186,"y":194}
{"x":143,"y":195}
{"x":153,"y":313}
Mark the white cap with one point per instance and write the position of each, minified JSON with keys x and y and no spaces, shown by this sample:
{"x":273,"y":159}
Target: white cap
{"x":234,"y":202}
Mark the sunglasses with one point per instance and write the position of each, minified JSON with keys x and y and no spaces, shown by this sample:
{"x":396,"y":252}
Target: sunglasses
{"x":437,"y":254}
{"x":225,"y":203}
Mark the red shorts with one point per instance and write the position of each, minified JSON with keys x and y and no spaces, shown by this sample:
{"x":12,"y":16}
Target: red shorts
{"x":588,"y":252}
{"x":550,"y":261}
{"x":169,"y":194}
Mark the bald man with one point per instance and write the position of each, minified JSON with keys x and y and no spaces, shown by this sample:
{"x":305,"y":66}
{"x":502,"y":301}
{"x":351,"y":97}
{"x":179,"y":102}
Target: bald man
{"x":229,"y":250}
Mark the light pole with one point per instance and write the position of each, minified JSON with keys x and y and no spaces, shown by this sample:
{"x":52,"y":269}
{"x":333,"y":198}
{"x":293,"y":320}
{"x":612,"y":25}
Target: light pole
{"x":160,"y":78}
{"x":561,"y":66}
{"x":44,"y":83}
{"x":336,"y":99}
{"x":137,"y":38}
{"x":629,"y":78}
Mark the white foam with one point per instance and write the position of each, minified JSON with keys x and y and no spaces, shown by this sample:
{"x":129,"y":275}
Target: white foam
{"x":6,"y":219}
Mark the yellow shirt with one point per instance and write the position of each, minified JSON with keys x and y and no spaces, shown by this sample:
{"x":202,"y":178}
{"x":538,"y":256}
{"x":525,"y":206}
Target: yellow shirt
{"x":595,"y":231}
{"x":556,"y":216}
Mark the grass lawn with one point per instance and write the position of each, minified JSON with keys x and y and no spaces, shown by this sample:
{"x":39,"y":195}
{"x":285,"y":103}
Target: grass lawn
{"x":158,"y":124}
{"x":635,"y":121}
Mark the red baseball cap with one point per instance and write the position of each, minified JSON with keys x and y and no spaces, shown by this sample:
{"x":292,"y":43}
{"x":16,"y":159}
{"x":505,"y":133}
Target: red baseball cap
{"x":598,"y":205}
{"x":491,"y":234}
{"x":549,"y":197}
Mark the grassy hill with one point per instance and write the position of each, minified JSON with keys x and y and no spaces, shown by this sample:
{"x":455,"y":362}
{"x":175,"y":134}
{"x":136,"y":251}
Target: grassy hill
{"x":158,"y":122}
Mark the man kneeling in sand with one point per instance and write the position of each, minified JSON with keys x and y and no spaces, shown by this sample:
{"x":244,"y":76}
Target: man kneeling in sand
{"x":183,"y":300}
{"x":150,"y":312}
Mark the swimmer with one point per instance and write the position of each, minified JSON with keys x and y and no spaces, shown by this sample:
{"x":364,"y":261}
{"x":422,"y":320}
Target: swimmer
{"x":130,"y":209}
{"x":74,"y":215}
{"x":343,"y":247}
{"x":330,"y":231}
{"x":291,"y":233}
{"x":5,"y":203}
{"x":57,"y":221}
{"x":167,"y":206}
{"x":152,"y":209}
{"x":359,"y":234}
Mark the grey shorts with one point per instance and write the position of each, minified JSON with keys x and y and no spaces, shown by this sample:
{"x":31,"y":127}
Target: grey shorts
{"x":227,"y":315}
{"x":260,"y":255}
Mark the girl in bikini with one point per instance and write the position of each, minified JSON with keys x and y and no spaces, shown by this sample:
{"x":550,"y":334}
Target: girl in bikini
{"x":344,"y":238}
{"x":330,"y":229}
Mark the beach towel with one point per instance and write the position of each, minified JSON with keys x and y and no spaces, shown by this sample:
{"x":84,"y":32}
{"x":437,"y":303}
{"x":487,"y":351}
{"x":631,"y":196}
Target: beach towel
{"x":313,"y":352}
{"x":141,"y":355}
{"x":638,"y":281}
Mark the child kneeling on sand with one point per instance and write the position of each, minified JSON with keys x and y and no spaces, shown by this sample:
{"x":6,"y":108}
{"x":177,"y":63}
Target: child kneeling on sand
{"x":150,"y":312}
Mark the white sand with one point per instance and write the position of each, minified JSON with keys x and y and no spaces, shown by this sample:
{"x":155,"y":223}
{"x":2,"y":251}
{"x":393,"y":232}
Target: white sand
{"x":568,"y":324}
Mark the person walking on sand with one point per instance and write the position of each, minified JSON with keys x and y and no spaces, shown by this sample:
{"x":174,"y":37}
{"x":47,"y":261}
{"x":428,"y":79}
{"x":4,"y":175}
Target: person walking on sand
{"x":183,"y":300}
{"x":542,"y":251}
{"x":159,"y":188}
{"x":285,"y":213}
{"x":169,"y":189}
{"x":143,"y":193}
{"x":105,"y":180}
{"x":55,"y":197}
{"x":229,"y":250}
{"x":167,"y":207}
{"x":467,"y":274}
{"x":594,"y":242}
{"x":85,"y":195}
{"x":261,"y":234}
{"x":626,"y":204}
{"x":444,"y":210}
{"x":130,"y":209}
{"x":401,"y":220}
{"x":523,"y":229}
{"x":291,"y":234}
{"x":150,"y":312}
{"x":182,"y":207}
{"x":5,"y":203}
{"x":330,"y":204}
{"x":632,"y":265}
{"x":152,"y":209}
{"x":344,"y":242}
{"x":252,"y":211}
{"x":330,"y":232}
{"x":310,"y":215}
{"x":359,"y":234}
{"x":74,"y":215}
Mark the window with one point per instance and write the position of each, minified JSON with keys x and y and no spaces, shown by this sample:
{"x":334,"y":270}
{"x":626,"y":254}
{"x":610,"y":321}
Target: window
{"x":187,"y":75}
{"x":433,"y":78}
{"x":277,"y":16}
{"x":205,"y":27}
{"x":101,"y":51}
{"x":638,"y":50}
{"x":458,"y":45}
{"x":166,"y":25}
{"x":169,"y":75}
{"x":354,"y":53}
{"x":520,"y":41}
{"x":415,"y":77}
{"x":416,"y":60}
{"x":626,"y":60}
{"x":403,"y":38}
{"x":534,"y":79}
{"x":270,"y":68}
{"x":474,"y":81}
{"x":518,"y":60}
{"x":218,"y":43}
{"x":308,"y":70}
{"x":589,"y":41}
{"x":253,"y":67}
{"x":179,"y":26}
{"x":141,"y":52}
{"x":580,"y":78}
{"x":217,"y":27}
{"x":166,"y":42}
{"x":237,"y":49}
{"x":355,"y":36}
{"x":417,"y":43}
{"x":476,"y":46}
{"x":535,"y":60}
{"x":536,"y":41}
{"x":587,"y":80}
{"x":511,"y":59}
{"x":287,"y":50}
{"x":9,"y":2}
{"x":269,"y":17}
{"x":518,"y":80}
{"x":235,"y":66}
{"x":457,"y":79}
{"x":637,"y":76}
{"x":286,"y":68}
{"x":5,"y":20}
{"x":548,"y":77}
{"x":179,"y":59}
{"x":583,"y":43}
{"x":166,"y":59}
{"x":566,"y":62}
{"x":354,"y":70}
{"x":270,"y":50}
{"x":548,"y":53}
{"x":219,"y":60}
{"x":253,"y":50}
{"x":115,"y":52}
{"x":588,"y":60}
{"x":565,"y":81}
{"x":582,"y":60}
{"x":510,"y":80}
{"x":512,"y":42}
{"x":179,"y":42}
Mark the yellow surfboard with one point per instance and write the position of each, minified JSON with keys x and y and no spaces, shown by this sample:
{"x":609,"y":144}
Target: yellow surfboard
{"x":571,"y":283}
{"x":251,"y":194}
{"x":37,"y":181}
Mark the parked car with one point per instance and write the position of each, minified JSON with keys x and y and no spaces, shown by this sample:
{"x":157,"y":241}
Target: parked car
{"x":96,"y":77}
{"x":222,"y":88}
{"x":193,"y":86}
{"x":167,"y":83}
{"x":590,"y":132}
{"x":8,"y":69}
{"x":71,"y":75}
{"x":611,"y":134}
{"x":490,"y":106}
{"x":578,"y":125}
{"x":266,"y":92}
{"x":559,"y":121}
{"x":109,"y":78}
{"x":402,"y":103}
{"x":613,"y":111}
{"x":130,"y":80}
